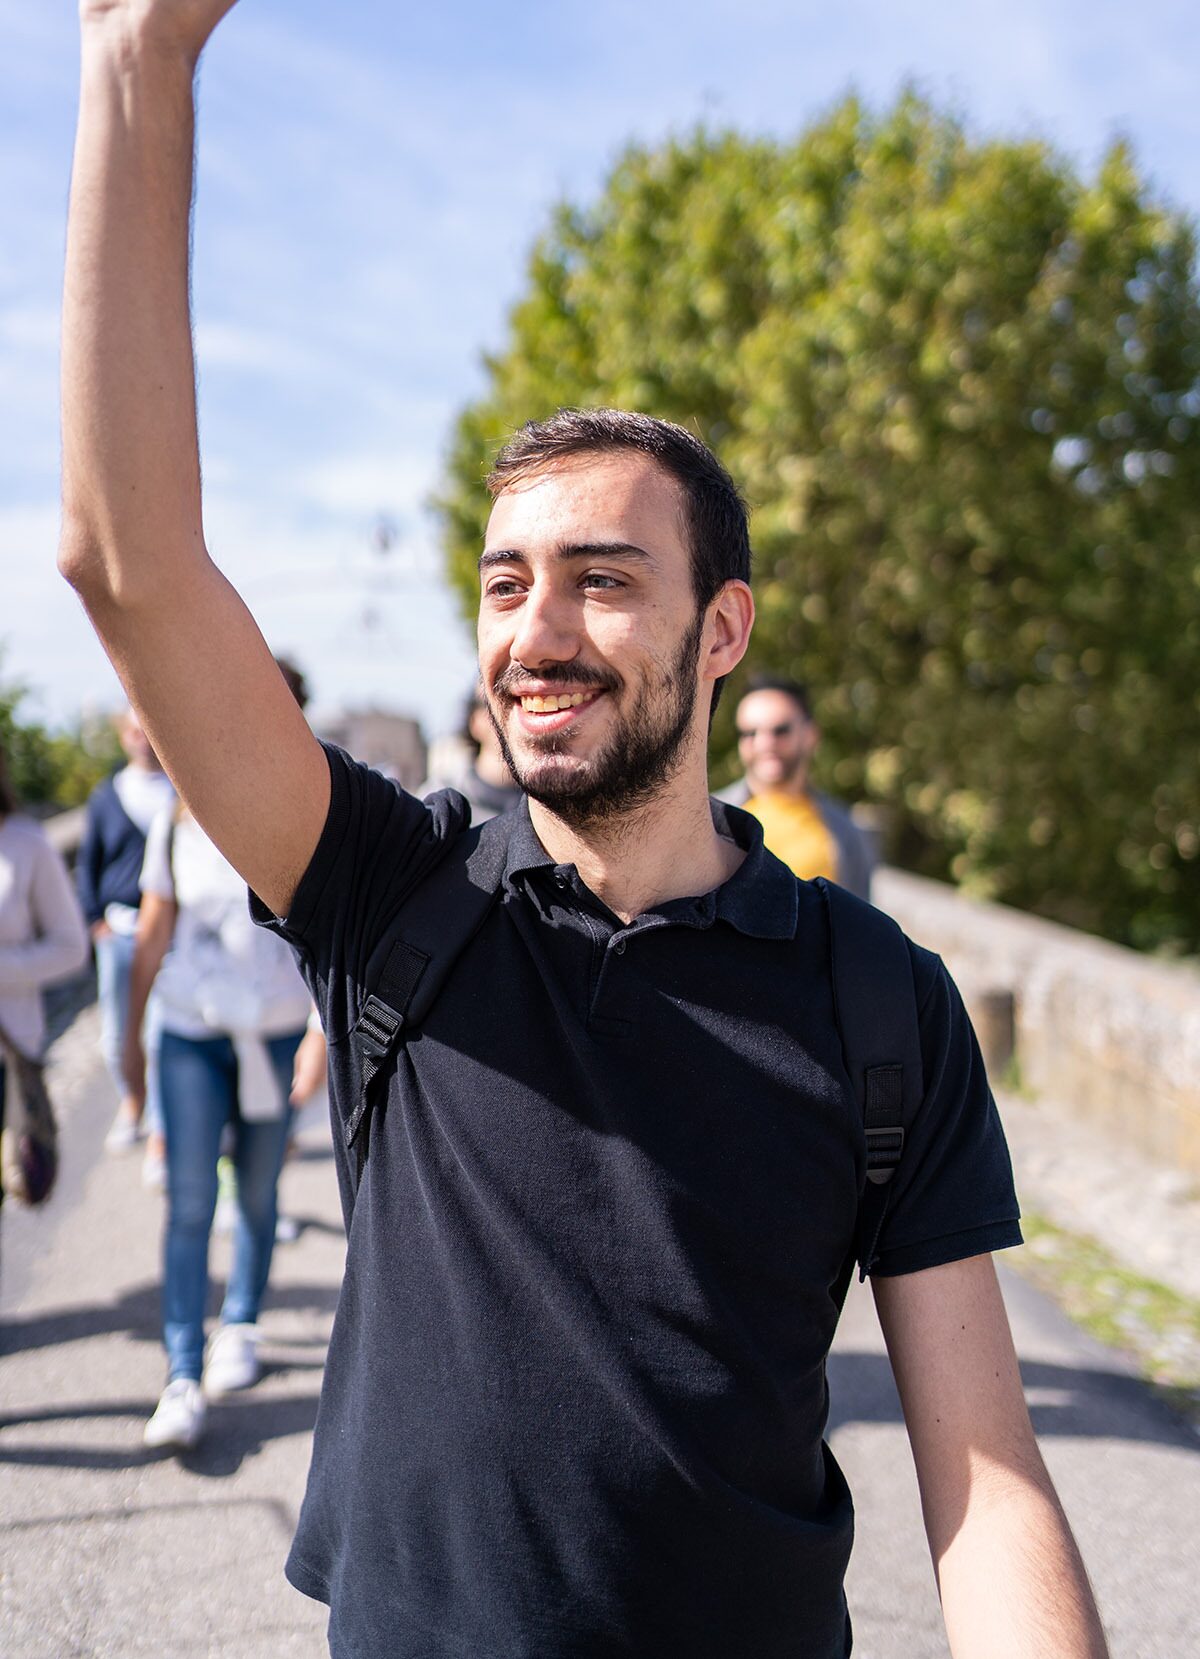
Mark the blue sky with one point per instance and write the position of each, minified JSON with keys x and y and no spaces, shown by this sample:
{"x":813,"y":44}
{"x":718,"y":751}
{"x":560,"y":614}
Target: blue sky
{"x":370,"y":179}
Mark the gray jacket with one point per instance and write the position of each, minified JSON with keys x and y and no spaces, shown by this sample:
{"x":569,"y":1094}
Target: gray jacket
{"x":855,"y":861}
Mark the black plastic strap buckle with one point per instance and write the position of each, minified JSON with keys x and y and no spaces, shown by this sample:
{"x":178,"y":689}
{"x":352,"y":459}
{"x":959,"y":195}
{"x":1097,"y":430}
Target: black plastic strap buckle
{"x":378,"y":1027}
{"x":884,"y":1147}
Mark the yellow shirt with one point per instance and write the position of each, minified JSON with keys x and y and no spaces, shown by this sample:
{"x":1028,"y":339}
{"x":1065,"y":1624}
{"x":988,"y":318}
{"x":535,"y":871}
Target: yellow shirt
{"x":795,"y":832}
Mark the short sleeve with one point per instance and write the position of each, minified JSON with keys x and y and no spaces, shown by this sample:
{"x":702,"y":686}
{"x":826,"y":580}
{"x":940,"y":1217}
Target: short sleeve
{"x":377,"y":845}
{"x":156,"y":877}
{"x":952,"y":1194}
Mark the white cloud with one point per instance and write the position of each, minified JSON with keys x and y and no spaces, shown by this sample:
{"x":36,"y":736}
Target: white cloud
{"x":244,"y":350}
{"x":363,"y":485}
{"x":30,"y":328}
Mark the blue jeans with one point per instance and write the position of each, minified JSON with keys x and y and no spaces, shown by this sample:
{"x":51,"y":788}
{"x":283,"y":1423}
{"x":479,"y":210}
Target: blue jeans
{"x":198,"y":1080}
{"x":114,"y":959}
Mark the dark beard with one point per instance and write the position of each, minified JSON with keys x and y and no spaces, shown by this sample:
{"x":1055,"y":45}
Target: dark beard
{"x":641,"y":756}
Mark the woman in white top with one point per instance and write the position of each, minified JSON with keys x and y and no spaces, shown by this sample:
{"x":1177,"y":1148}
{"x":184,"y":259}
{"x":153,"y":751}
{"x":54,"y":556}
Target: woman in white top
{"x":232,"y":1011}
{"x":42,"y":932}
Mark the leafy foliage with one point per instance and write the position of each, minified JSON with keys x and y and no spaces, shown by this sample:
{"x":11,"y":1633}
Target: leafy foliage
{"x":961,"y":389}
{"x":53,"y":768}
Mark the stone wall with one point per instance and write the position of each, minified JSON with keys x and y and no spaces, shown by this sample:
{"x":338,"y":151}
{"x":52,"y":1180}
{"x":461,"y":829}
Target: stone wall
{"x":1108,"y":1035}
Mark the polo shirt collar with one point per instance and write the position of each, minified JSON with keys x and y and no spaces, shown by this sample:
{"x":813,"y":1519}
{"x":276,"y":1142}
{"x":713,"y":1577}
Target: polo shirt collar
{"x":760,"y":899}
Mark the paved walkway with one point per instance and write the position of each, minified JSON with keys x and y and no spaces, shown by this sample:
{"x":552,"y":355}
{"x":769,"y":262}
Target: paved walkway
{"x":108,"y":1550}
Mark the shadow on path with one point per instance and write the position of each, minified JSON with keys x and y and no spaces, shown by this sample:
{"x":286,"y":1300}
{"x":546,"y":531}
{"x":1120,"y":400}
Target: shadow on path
{"x":1079,"y":1401}
{"x":136,"y":1313}
{"x":278,"y":1512}
{"x":237,"y":1428}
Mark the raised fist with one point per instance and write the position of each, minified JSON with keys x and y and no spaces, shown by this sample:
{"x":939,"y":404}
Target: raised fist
{"x":172,"y":25}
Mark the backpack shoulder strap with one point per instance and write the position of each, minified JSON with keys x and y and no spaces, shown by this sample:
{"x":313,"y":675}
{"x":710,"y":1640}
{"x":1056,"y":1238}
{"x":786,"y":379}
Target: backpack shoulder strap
{"x":875,"y":1004}
{"x":435,"y":926}
{"x":177,"y":815}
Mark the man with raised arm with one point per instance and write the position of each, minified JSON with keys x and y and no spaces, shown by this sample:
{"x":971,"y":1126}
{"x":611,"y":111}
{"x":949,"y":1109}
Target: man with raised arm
{"x":607,"y":1204}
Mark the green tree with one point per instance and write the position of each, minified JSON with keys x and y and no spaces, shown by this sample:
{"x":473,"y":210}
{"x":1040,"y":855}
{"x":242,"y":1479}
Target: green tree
{"x":53,"y":769}
{"x":960,"y":386}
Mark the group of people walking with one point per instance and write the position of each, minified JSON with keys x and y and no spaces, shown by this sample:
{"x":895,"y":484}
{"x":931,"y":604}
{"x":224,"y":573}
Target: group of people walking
{"x":207,"y":1031}
{"x":617,"y":1119}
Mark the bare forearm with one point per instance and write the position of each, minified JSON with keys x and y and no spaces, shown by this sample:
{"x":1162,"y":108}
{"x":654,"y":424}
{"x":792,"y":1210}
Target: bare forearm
{"x":1012,"y":1583}
{"x":147,"y":960}
{"x":131,"y":476}
{"x":1011,"y":1580}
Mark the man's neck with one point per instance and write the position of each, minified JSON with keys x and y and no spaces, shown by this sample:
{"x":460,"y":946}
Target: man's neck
{"x":667,"y":849}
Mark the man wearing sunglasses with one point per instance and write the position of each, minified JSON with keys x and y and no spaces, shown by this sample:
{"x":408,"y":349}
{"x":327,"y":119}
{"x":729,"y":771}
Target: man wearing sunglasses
{"x":813,"y":835}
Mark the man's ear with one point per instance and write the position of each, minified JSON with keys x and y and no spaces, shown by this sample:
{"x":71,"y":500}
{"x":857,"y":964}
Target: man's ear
{"x":727,"y":630}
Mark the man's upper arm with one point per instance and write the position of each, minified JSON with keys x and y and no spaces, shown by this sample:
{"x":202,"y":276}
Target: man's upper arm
{"x":229,"y":732}
{"x":952,"y":1353}
{"x":194,"y":664}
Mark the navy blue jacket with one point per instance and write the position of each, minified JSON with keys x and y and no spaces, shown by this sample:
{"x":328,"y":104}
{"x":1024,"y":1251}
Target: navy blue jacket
{"x":109,"y":867}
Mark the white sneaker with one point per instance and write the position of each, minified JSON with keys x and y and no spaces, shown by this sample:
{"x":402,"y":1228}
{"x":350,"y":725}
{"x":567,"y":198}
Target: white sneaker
{"x":232,"y":1360}
{"x":124,"y":1135}
{"x":154,"y":1169}
{"x":179,"y":1416}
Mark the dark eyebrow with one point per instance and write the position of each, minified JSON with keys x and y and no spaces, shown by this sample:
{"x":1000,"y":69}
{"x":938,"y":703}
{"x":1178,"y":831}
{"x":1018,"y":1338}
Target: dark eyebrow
{"x":570,"y":550}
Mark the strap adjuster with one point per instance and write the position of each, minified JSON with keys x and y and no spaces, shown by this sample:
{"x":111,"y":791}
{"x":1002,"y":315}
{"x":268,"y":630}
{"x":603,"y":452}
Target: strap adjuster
{"x":884,"y":1147}
{"x":378,"y":1027}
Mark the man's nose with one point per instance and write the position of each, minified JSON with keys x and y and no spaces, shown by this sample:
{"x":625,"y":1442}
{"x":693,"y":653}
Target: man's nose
{"x":548,"y":629}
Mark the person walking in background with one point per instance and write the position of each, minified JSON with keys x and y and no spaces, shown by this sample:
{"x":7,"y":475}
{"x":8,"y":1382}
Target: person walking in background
{"x":484,"y":778}
{"x":42,"y":933}
{"x":813,"y":835}
{"x":232,"y":1011}
{"x":107,"y":873}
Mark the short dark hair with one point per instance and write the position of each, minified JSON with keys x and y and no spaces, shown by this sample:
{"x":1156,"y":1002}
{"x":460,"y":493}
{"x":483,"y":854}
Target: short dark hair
{"x":779,"y":682}
{"x":8,"y":795}
{"x":473,"y":702}
{"x":293,"y":678}
{"x":715,"y":515}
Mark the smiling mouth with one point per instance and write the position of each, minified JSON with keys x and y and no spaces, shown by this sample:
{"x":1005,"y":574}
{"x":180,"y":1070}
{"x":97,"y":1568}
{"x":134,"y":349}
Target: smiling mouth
{"x":552,"y":704}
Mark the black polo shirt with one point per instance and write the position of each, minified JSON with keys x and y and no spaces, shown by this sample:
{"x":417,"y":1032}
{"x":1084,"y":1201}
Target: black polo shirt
{"x":575,"y":1393}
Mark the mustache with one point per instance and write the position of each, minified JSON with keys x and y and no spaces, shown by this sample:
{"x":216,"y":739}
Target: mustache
{"x":555,"y":673}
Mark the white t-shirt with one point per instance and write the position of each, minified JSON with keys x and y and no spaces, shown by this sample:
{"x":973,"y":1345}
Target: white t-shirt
{"x":222,"y":974}
{"x":143,"y":795}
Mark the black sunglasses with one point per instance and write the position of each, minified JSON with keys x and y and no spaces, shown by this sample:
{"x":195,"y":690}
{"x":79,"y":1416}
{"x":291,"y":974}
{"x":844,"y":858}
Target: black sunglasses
{"x":766,"y":731}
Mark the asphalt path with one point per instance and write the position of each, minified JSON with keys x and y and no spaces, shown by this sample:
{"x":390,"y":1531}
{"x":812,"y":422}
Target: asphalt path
{"x":109,"y":1550}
